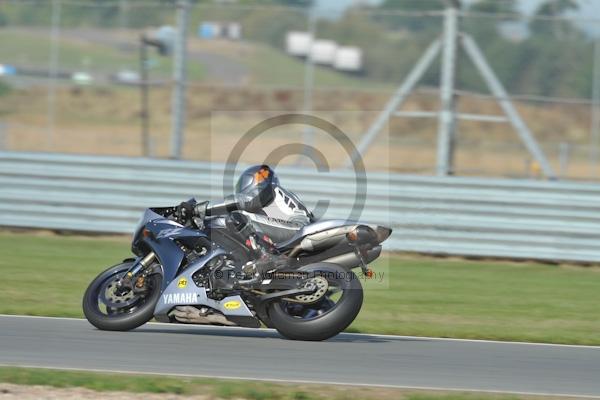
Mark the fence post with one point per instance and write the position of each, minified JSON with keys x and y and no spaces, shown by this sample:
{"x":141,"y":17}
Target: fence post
{"x":3,"y":140}
{"x":179,"y":78}
{"x":308,"y":134}
{"x":53,"y":70}
{"x":447,"y":117}
{"x":123,"y":14}
{"x":595,"y":109}
{"x":144,"y":98}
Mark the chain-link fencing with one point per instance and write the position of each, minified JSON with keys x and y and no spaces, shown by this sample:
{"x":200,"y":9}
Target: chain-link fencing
{"x":72,"y":78}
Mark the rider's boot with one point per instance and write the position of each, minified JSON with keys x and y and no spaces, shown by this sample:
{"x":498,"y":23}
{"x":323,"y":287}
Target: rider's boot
{"x":265,"y":255}
{"x":267,"y":259}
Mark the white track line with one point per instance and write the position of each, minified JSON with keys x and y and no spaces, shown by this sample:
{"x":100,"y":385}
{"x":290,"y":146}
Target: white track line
{"x":398,"y":337}
{"x":311,"y":382}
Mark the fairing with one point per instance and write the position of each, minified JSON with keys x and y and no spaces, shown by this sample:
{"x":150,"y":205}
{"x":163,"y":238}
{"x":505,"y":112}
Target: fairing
{"x":183,"y":291}
{"x":161,"y":237}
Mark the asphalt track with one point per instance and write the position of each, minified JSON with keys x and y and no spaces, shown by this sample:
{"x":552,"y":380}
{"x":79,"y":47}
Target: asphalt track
{"x":395,"y":361}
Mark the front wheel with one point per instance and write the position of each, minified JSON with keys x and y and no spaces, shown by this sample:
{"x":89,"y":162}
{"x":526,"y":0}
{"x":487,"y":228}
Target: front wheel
{"x":328,"y":316}
{"x":108,"y":308}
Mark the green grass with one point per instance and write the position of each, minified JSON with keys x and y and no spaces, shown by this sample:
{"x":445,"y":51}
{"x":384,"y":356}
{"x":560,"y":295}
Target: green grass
{"x":267,"y":65}
{"x":219,"y":388}
{"x":47,"y":275}
{"x":485,"y":300}
{"x":33,"y":50}
{"x":273,"y":67}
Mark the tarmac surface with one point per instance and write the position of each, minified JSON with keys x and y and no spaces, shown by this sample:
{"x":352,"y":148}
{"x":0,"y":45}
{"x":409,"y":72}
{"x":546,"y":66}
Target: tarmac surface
{"x":262,"y":354}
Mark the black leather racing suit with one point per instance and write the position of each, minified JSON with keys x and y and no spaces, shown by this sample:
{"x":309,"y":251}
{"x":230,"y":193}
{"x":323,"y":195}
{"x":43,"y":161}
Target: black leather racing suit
{"x":262,"y":204}
{"x":275,"y":212}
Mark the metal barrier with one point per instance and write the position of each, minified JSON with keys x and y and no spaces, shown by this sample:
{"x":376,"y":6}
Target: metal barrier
{"x":520,"y":219}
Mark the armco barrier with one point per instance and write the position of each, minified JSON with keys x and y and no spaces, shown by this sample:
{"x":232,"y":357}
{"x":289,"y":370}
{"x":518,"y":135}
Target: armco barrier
{"x":519,"y":219}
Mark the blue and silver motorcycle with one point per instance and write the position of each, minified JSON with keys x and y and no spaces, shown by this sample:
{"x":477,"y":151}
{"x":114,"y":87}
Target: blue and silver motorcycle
{"x":198,"y":272}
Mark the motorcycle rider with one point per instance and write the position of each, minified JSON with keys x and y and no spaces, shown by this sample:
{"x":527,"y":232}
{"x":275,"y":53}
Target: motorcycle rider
{"x":259,"y":213}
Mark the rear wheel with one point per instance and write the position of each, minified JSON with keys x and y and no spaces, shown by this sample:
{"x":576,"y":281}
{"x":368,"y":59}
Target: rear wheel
{"x":336,"y":304}
{"x":109,"y":308}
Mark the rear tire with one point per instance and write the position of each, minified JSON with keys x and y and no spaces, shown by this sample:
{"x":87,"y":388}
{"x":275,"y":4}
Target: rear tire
{"x":142,"y":313}
{"x":330,"y":323}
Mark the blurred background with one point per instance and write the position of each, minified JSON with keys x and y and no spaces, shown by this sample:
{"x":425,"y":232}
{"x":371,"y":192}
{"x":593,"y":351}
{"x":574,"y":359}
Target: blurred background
{"x":71,"y":74}
{"x":478,"y":122}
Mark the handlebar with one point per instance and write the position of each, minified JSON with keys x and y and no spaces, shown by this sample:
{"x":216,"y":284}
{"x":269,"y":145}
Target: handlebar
{"x":187,"y":210}
{"x":227,"y":205}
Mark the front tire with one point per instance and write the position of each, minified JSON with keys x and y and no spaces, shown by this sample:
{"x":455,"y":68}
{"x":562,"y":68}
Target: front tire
{"x":324,"y":319}
{"x":130,"y":316}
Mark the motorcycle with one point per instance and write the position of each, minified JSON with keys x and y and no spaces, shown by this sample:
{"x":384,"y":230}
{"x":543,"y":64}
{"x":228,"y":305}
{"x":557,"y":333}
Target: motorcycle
{"x":196,"y":271}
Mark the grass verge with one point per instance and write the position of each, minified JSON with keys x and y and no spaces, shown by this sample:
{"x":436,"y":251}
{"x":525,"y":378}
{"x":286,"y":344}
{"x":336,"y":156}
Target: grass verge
{"x":221,"y":388}
{"x":31,"y":49}
{"x":47,"y":275}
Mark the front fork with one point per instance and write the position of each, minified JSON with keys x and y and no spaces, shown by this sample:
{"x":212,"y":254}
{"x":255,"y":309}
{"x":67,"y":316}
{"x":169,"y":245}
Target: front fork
{"x":140,"y":264}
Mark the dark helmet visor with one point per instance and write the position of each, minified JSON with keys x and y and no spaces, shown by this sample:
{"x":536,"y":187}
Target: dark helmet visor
{"x":254,"y":178}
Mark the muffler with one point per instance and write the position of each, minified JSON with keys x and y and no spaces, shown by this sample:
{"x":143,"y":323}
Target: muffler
{"x":351,"y":260}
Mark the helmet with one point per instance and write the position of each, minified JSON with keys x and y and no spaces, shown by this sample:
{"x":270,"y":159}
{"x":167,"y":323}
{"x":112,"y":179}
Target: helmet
{"x":255,"y":179}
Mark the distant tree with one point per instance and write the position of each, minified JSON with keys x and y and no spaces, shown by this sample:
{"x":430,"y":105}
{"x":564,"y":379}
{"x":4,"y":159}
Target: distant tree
{"x":554,"y":8}
{"x":413,"y":23}
{"x":485,"y":29}
{"x":294,"y":3}
{"x":554,"y":60}
{"x":494,"y":6}
{"x":502,"y":54}
{"x":413,"y":5}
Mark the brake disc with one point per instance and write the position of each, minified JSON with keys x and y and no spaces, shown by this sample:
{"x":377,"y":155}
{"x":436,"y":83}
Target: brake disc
{"x":113,"y":298}
{"x":321,"y":284}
